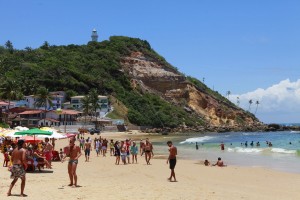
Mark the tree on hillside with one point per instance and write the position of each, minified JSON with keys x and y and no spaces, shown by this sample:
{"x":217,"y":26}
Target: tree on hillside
{"x":86,"y":106}
{"x":93,"y":95}
{"x":257,"y":102}
{"x":9,"y":46}
{"x":250,"y":102}
{"x":45,"y":45}
{"x":238,"y":101}
{"x":10,"y":90}
{"x":44,"y":98}
{"x":228,"y":93}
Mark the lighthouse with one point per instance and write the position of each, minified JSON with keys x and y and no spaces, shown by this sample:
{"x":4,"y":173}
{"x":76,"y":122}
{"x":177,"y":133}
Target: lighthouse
{"x":94,"y":35}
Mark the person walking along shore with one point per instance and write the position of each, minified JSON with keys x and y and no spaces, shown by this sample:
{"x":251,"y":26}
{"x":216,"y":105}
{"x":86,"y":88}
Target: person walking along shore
{"x":172,"y":160}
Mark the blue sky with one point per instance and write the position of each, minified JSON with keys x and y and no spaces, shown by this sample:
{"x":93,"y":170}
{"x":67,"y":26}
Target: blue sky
{"x":235,"y":45}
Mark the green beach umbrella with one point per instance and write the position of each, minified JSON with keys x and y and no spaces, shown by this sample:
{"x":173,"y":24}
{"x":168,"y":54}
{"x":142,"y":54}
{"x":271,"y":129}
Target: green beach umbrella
{"x":34,"y":131}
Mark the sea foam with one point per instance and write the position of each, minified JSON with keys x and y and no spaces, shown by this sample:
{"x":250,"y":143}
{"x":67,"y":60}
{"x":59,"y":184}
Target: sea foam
{"x":281,"y":150}
{"x":244,"y":150}
{"x":197,"y":139}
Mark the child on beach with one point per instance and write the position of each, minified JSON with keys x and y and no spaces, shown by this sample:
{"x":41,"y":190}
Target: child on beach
{"x":61,"y":154}
{"x":206,"y":163}
{"x":6,"y":158}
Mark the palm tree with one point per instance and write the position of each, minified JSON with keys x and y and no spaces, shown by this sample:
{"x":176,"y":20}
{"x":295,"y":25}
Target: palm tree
{"x":44,"y":98}
{"x":93,"y":95}
{"x":86,"y":106}
{"x":257,"y":102}
{"x":228,"y":93}
{"x":10,"y":90}
{"x":238,"y":101}
{"x":250,"y":102}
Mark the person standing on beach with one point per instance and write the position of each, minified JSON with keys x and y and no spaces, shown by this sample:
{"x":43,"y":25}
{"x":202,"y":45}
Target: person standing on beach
{"x":117,"y":152}
{"x":134,"y":152}
{"x":148,"y":148}
{"x":48,"y":151}
{"x":111,"y":148}
{"x":87,"y":150}
{"x":222,"y":146}
{"x":142,"y":144}
{"x":74,"y":152}
{"x":197,"y":147}
{"x":172,"y":160}
{"x":123,"y":152}
{"x":19,"y":167}
{"x":97,"y":146}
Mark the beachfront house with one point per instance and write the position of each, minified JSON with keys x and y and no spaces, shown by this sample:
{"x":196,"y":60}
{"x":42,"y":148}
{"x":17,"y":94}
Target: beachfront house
{"x":58,"y":99}
{"x":31,"y":118}
{"x":40,"y":118}
{"x":102,"y":101}
{"x":62,"y":117}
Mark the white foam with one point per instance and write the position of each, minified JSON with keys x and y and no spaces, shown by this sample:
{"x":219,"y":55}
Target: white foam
{"x":280,"y":150}
{"x":197,"y":139}
{"x":295,"y":131}
{"x":244,"y":150}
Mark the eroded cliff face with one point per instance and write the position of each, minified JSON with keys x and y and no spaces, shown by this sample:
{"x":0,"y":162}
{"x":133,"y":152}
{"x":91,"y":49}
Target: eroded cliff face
{"x":148,"y":75}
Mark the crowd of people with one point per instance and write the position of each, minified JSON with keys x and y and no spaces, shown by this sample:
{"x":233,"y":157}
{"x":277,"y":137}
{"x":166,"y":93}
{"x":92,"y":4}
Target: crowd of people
{"x":125,"y":151}
{"x":20,"y":156}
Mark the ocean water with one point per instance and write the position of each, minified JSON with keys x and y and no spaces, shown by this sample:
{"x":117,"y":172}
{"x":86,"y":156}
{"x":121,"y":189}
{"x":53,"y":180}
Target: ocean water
{"x":284,"y":155}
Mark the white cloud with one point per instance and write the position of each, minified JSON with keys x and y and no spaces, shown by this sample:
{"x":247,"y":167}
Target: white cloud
{"x":280,"y":99}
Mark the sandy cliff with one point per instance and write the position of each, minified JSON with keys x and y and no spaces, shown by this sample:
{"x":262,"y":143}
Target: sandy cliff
{"x":148,"y":75}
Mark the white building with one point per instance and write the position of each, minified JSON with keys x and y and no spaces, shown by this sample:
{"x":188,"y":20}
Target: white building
{"x":58,"y":99}
{"x":102,"y":101}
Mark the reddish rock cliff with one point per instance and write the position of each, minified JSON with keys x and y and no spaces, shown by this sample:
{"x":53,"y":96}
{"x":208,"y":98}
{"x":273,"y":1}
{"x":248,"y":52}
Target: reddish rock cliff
{"x":148,"y":75}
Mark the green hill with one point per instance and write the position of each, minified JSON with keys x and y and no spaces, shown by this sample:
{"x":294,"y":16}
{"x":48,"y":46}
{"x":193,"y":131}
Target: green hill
{"x":78,"y":68}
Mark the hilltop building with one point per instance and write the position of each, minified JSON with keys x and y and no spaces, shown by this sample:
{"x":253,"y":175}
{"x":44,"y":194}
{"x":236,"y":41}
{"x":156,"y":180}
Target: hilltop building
{"x":94,"y":35}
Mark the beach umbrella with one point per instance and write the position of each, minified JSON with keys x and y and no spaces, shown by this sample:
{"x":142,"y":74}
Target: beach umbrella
{"x":10,"y":133}
{"x":30,"y":139}
{"x":69,"y":135}
{"x":54,"y":135}
{"x":33,"y":132}
{"x":21,"y":128}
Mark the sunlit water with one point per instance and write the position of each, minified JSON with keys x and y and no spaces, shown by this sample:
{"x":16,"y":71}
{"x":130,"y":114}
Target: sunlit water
{"x":284,"y":155}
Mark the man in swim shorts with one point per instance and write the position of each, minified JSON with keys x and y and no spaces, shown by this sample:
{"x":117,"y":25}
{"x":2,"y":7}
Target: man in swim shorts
{"x":19,"y":167}
{"x":87,"y":150}
{"x":172,"y":160}
{"x":74,"y":152}
{"x":48,"y":151}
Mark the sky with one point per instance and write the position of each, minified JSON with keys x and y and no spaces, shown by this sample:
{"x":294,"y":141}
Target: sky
{"x":248,"y":47}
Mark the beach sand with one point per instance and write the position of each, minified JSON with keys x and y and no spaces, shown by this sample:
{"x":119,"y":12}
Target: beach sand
{"x":102,"y":179}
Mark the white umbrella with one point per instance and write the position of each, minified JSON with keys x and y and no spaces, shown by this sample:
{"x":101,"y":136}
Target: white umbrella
{"x":11,"y":133}
{"x":21,"y":128}
{"x":55,"y":135}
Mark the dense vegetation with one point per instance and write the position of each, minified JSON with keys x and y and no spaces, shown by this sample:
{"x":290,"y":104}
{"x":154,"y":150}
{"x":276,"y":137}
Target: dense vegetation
{"x":77,"y":69}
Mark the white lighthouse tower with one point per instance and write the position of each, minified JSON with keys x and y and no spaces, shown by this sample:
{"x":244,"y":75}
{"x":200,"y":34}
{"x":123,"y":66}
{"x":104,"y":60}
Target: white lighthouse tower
{"x":94,"y":35}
